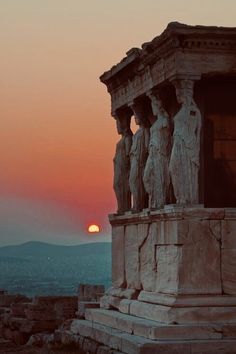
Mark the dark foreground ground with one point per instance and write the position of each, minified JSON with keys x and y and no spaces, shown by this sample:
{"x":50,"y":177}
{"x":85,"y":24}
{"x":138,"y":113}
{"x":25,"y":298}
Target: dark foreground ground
{"x":11,"y":349}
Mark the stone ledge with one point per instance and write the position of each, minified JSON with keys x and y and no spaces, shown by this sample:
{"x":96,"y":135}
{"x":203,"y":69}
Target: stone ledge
{"x":186,"y":315}
{"x":173,"y":212}
{"x":187,"y":300}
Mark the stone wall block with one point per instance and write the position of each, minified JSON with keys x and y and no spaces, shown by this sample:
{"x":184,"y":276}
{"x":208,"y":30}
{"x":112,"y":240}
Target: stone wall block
{"x":200,"y":269}
{"x":118,"y":256}
{"x":132,"y":257}
{"x":229,"y":234}
{"x":189,"y":261}
{"x":228,"y":258}
{"x":168,"y":260}
{"x":148,"y":259}
{"x":216,"y":229}
{"x":142,"y":233}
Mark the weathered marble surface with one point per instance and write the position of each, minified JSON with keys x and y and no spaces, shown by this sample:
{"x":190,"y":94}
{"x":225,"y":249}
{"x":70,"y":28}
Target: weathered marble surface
{"x":169,"y":256}
{"x":185,"y":154}
{"x":130,"y":335}
{"x":184,"y":251}
{"x":229,"y":256}
{"x":155,"y":330}
{"x":118,"y":258}
{"x":122,"y":164}
{"x":148,"y":261}
{"x":132,"y":257}
{"x":156,"y":173}
{"x":138,"y":158}
{"x":185,"y":315}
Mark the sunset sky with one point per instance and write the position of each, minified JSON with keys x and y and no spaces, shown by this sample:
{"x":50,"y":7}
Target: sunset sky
{"x":57,"y":138}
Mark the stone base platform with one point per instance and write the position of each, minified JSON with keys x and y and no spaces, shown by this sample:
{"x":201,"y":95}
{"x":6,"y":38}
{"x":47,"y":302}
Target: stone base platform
{"x":159,"y":331}
{"x":134,"y":335}
{"x":170,"y":309}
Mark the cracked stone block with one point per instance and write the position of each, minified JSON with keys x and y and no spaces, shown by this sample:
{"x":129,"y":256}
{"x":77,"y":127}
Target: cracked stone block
{"x":118,"y":256}
{"x":168,"y":259}
{"x":148,"y":260}
{"x":132,"y":257}
{"x":229,"y":234}
{"x":192,"y":265}
{"x":228,"y":258}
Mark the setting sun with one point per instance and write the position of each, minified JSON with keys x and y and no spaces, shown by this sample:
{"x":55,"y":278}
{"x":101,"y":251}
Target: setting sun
{"x":93,"y":228}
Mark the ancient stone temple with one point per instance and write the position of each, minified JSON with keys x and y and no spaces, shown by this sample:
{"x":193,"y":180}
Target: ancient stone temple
{"x":174,"y":233}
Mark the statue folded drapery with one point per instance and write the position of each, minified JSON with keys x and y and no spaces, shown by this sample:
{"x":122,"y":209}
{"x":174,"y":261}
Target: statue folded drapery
{"x":138,"y":158}
{"x":122,"y":165}
{"x":184,"y":162}
{"x":156,"y":174}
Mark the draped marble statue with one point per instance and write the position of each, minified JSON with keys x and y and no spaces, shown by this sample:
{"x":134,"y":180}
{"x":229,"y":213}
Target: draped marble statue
{"x":138,"y":158}
{"x":156,"y":174}
{"x":184,"y":162}
{"x":122,"y":164}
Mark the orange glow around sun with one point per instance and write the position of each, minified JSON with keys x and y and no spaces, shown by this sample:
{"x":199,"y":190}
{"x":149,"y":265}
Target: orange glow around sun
{"x":93,"y":228}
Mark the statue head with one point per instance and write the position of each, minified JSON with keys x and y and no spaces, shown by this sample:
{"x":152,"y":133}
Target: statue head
{"x":122,"y":124}
{"x":157,"y":106}
{"x":137,"y":119}
{"x":140,"y":116}
{"x":184,"y":91}
{"x":155,"y":102}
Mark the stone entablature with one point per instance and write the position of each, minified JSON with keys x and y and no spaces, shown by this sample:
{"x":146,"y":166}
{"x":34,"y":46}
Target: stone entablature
{"x":181,"y":51}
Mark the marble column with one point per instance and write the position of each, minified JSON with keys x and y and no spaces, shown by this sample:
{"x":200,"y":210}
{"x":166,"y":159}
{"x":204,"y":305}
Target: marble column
{"x":122,"y":162}
{"x":185,"y":156}
{"x":138,"y":158}
{"x":156,"y":174}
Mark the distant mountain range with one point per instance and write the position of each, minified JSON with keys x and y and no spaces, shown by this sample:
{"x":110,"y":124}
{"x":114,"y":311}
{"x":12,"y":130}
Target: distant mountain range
{"x":40,"y":268}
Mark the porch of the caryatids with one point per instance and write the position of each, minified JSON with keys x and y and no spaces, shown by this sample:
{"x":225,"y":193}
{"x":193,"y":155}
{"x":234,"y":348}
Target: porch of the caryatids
{"x":138,"y":157}
{"x":185,"y":155}
{"x":122,"y":161}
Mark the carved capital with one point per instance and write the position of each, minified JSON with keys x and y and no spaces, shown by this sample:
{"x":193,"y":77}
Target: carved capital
{"x":122,"y":118}
{"x":139,"y":112}
{"x":184,"y":90}
{"x":156,"y":103}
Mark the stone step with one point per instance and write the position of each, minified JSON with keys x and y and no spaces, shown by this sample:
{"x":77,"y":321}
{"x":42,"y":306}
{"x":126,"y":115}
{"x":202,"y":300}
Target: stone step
{"x":187,"y":315}
{"x":115,"y":339}
{"x":133,"y":344}
{"x":155,"y":330}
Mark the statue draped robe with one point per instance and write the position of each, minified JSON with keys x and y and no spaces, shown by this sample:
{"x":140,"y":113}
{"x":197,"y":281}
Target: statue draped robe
{"x":121,"y":173}
{"x":185,"y":155}
{"x":156,"y":174}
{"x":138,"y":158}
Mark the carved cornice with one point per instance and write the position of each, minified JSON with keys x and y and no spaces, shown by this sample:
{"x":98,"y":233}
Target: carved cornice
{"x":180,"y":50}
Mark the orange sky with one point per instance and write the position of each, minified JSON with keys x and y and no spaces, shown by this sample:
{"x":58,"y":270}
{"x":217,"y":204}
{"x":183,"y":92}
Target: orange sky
{"x":57,"y":138}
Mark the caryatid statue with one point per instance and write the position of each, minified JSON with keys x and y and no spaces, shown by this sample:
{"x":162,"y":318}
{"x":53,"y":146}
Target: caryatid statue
{"x":185,"y":155}
{"x":156,"y":173}
{"x":122,"y":163}
{"x":138,"y":158}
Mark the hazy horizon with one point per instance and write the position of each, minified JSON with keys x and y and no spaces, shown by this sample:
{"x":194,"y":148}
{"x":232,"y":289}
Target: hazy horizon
{"x":88,"y":242}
